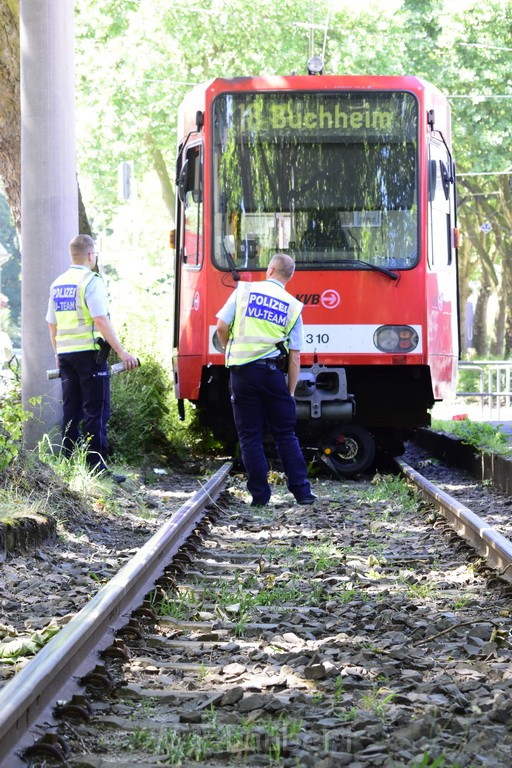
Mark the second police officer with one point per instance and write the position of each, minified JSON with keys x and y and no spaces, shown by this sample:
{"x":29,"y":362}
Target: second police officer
{"x":255,"y":319}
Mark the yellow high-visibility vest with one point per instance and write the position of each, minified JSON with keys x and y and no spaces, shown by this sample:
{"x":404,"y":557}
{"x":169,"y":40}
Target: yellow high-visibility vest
{"x":75,"y":326}
{"x":265,"y":314}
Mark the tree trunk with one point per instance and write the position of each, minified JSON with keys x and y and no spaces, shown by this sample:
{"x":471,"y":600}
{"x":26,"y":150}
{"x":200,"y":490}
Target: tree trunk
{"x":508,"y":338}
{"x":10,"y":119}
{"x":161,"y":170}
{"x":498,"y":341}
{"x":84,"y":228}
{"x":480,"y":339}
{"x":464,"y":270}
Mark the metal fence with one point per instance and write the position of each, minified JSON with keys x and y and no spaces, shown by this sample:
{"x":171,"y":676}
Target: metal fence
{"x":488,"y":383}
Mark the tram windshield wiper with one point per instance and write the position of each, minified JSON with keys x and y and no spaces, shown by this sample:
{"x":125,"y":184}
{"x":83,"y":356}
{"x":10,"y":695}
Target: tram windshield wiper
{"x":375,"y":267}
{"x":231,"y":262}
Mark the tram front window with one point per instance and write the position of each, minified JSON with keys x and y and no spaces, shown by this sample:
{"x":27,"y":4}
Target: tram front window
{"x":330,"y":178}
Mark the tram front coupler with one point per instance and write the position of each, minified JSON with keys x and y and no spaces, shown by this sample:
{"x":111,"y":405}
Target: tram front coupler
{"x":321,"y":394}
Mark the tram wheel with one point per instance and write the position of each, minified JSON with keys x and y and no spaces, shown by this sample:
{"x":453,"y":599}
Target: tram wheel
{"x":348,"y":450}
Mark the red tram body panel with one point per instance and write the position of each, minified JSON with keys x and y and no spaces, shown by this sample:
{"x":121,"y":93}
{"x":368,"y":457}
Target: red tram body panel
{"x":353,"y":177}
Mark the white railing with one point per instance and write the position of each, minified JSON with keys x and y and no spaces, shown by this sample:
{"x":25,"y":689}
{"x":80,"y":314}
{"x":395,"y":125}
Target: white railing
{"x":490,"y":385}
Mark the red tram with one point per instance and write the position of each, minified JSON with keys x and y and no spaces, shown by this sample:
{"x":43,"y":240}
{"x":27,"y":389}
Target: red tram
{"x":353,"y":176}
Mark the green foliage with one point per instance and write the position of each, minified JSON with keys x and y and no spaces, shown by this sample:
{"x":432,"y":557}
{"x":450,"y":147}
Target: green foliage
{"x":481,"y":435}
{"x":145,"y":419}
{"x":377,"y":701}
{"x":10,"y":272}
{"x":128,"y":104}
{"x":135,"y":62}
{"x":14,"y":647}
{"x":144,"y":425}
{"x":427,"y":761}
{"x":12,"y":418}
{"x":387,"y":494}
{"x":30,"y":488}
{"x":468,"y":380}
{"x":242,"y":740}
{"x":480,"y":70}
{"x":73,"y":470}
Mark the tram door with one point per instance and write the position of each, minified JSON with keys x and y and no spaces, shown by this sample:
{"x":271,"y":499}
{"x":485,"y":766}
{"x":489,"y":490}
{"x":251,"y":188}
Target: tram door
{"x":190,"y":253}
{"x":442,"y":303}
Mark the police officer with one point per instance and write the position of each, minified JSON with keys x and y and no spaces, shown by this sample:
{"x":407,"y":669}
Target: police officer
{"x":78,"y":322}
{"x":256,"y":318}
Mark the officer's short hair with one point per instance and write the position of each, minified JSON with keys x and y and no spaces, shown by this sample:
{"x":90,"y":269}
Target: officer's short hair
{"x":80,"y":246}
{"x":283,"y":264}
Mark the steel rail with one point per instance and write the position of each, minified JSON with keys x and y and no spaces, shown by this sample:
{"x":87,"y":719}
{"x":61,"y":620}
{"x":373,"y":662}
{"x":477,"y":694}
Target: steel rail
{"x":55,"y":671}
{"x":491,"y":545}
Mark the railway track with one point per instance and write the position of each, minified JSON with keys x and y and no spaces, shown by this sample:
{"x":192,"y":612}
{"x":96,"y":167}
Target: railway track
{"x":56,"y":669}
{"x":352,"y":634}
{"x":495,"y":548}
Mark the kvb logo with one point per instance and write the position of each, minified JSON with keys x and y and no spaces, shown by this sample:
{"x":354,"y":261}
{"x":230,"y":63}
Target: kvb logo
{"x":330,"y":299}
{"x":308,"y":298}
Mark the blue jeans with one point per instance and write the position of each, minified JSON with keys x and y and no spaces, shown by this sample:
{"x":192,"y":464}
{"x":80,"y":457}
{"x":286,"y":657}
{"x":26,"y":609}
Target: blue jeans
{"x":259,"y":394}
{"x":85,"y":402}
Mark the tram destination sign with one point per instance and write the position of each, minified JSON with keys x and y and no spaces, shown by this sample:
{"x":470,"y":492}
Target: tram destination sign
{"x":380,"y":116}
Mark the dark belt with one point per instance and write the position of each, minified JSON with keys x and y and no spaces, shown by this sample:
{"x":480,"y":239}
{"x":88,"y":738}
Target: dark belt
{"x":268,"y":362}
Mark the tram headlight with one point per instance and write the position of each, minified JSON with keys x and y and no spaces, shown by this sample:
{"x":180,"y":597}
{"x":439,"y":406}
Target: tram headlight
{"x":395,"y":338}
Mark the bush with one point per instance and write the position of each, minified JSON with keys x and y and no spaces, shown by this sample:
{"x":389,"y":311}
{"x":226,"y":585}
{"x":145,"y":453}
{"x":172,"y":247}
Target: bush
{"x":483,"y":436}
{"x":12,"y":418}
{"x":144,"y":423}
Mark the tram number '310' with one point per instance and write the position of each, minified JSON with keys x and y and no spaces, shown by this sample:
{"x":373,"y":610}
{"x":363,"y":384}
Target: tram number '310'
{"x":317,"y":338}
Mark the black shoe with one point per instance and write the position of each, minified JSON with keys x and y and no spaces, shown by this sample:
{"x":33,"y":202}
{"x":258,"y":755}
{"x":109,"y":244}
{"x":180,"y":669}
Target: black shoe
{"x":306,"y":501}
{"x":114,"y":476}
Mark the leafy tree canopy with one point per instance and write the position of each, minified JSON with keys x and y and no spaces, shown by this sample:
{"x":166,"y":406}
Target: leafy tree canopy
{"x":135,"y":60}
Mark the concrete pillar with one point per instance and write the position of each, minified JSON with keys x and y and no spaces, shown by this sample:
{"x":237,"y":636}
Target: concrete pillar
{"x":49,"y":196}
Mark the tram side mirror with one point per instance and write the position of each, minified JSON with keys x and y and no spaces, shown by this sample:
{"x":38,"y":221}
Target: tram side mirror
{"x":183,"y":181}
{"x":187,"y":183}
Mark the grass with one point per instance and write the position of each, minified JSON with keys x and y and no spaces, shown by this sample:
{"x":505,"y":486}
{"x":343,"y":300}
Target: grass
{"x":485,"y":437}
{"x":44,"y":483}
{"x":325,"y":555}
{"x":427,"y":761}
{"x":387,"y":494}
{"x":14,"y":507}
{"x":74,"y":470}
{"x":31,"y":486}
{"x":377,"y":701}
{"x":421,"y":591}
{"x":237,"y":599}
{"x":179,"y":606}
{"x":269,"y":736}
